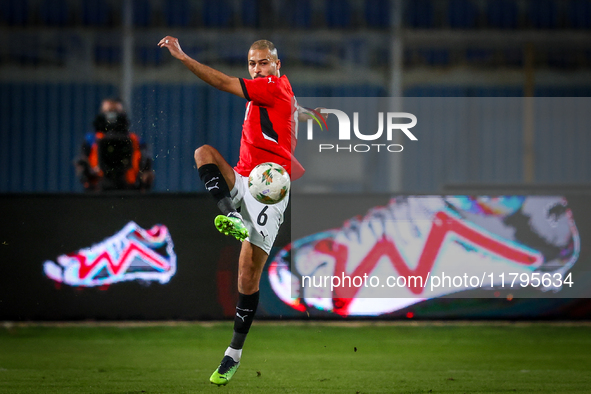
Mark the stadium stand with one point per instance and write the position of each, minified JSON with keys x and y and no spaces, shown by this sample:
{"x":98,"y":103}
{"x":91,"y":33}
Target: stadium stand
{"x":55,"y":13}
{"x":502,"y":14}
{"x":377,"y":14}
{"x":249,"y":13}
{"x":14,"y":12}
{"x":479,"y":56}
{"x":149,"y":56}
{"x":142,"y":13}
{"x":462,"y":14}
{"x":298,"y":14}
{"x":543,"y":14}
{"x":579,"y":14}
{"x":177,"y":13}
{"x":420,"y":14}
{"x":338,"y":14}
{"x":107,"y":55}
{"x":97,"y":13}
{"x":217,"y":14}
{"x":434,"y":56}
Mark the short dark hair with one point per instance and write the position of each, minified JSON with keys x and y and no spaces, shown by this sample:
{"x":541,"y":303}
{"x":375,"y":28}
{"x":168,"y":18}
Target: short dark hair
{"x":265,"y":44}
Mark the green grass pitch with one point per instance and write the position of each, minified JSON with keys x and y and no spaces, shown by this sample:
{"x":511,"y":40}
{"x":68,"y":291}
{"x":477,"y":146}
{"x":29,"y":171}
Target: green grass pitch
{"x":297,"y":357}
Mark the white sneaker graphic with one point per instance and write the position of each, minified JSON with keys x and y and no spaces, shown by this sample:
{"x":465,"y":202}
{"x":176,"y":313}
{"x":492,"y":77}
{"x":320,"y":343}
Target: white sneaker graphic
{"x":132,"y":253}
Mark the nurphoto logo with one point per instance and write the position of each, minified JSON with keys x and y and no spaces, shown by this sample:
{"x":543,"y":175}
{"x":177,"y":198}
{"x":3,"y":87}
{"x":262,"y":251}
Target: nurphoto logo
{"x":392,"y":120}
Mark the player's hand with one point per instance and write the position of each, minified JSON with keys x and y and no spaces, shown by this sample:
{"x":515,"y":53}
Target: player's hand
{"x":305,"y":113}
{"x":173,"y":46}
{"x":325,"y":116}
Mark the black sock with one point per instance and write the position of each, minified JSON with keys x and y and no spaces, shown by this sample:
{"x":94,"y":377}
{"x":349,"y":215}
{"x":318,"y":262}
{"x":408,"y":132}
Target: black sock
{"x":216,"y":185}
{"x":245,"y":311}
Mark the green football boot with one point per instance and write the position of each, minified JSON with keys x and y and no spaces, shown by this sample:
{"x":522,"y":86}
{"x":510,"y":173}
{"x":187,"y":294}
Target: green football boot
{"x":225,"y":371}
{"x":231,"y":225}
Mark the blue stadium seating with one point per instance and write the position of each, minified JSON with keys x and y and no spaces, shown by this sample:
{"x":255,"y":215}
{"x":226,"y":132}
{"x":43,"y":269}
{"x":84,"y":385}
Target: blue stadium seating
{"x":54,"y":12}
{"x":358,"y":91}
{"x":435,"y":57}
{"x":461,"y":91}
{"x":14,"y":12}
{"x":434,"y":91}
{"x":462,"y":14}
{"x":419,"y":14}
{"x":297,"y":13}
{"x":249,"y":14}
{"x":340,"y":91}
{"x":502,"y":14}
{"x":338,"y":13}
{"x":234,"y":54}
{"x":177,"y":13}
{"x":26,"y":52}
{"x":561,"y":59}
{"x":479,"y":55}
{"x":513,"y":57}
{"x":377,"y":13}
{"x":579,"y":14}
{"x":217,"y":13}
{"x":96,"y":13}
{"x":563,"y":91}
{"x":149,"y":56}
{"x":494,"y":91}
{"x":543,"y":14}
{"x":142,"y":13}
{"x":315,"y":54}
{"x":107,"y":55}
{"x":194,"y":50}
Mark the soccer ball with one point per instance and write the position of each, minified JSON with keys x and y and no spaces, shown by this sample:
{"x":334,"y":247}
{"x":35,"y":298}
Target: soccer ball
{"x":269,"y":183}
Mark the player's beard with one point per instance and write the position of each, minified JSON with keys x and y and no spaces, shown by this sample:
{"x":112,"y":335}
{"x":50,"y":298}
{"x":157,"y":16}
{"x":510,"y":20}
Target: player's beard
{"x":265,"y":76}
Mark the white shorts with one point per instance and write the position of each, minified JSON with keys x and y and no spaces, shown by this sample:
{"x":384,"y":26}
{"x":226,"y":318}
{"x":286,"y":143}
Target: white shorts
{"x":262,"y":221}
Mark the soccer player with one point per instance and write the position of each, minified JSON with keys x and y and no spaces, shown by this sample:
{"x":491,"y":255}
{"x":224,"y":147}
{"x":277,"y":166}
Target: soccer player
{"x":268,"y":135}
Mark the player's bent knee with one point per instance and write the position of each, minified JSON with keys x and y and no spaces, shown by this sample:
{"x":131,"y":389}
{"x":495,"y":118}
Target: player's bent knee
{"x":204,"y":154}
{"x":203,"y":150}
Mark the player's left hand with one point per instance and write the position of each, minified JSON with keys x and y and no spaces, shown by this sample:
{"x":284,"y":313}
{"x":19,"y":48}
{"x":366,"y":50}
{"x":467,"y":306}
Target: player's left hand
{"x":173,"y":46}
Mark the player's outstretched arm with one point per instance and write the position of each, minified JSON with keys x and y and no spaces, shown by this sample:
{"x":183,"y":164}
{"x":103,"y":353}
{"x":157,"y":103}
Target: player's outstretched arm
{"x":215,"y":78}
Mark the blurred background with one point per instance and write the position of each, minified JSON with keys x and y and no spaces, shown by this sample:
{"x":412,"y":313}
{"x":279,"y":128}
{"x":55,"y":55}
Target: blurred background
{"x":60,"y":58}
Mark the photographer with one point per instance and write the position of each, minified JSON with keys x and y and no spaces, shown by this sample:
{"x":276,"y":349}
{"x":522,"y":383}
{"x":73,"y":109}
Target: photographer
{"x":112,"y":157}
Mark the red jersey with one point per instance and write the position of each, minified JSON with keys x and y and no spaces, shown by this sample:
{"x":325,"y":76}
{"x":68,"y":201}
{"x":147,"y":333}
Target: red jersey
{"x":270,"y":125}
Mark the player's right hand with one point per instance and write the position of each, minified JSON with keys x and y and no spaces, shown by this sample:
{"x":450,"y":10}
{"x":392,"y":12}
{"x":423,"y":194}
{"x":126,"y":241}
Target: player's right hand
{"x":325,"y":115}
{"x":173,"y":46}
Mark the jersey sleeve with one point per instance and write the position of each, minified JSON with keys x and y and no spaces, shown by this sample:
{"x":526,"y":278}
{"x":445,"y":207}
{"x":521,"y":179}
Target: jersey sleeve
{"x":261,"y":91}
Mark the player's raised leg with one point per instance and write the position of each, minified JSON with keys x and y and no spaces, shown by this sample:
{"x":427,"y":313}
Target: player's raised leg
{"x":218,"y":178}
{"x":250,"y":268}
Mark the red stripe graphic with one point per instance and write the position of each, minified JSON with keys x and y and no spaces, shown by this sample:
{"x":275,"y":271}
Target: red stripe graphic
{"x":116,"y":266}
{"x":443,"y":224}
